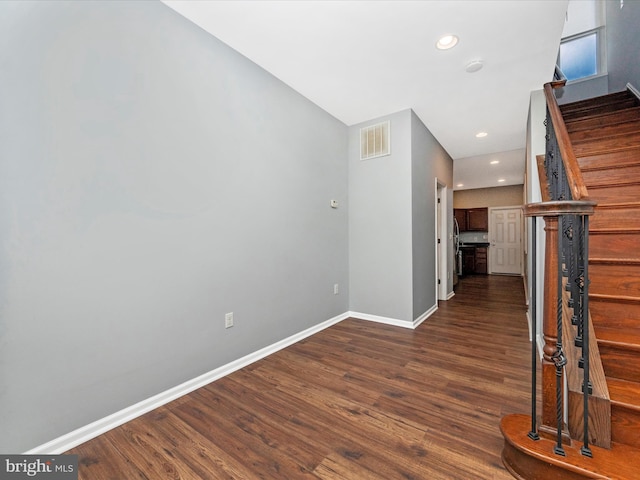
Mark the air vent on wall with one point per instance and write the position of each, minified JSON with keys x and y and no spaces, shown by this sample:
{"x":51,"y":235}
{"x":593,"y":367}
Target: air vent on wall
{"x":374,"y":141}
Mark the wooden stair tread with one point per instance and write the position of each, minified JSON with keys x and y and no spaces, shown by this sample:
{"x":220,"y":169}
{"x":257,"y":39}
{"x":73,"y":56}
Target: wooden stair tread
{"x":612,"y":231}
{"x":595,"y":111}
{"x":615,"y":261}
{"x":608,"y":144}
{"x":622,"y":462}
{"x":610,"y":159}
{"x":613,"y":215}
{"x":628,"y":174}
{"x":609,"y":118}
{"x":622,"y":128}
{"x":625,"y":339}
{"x":610,"y":205}
{"x":624,"y":393}
{"x":604,"y":193}
{"x":615,"y":98}
{"x":602,"y":99}
{"x":623,"y":160}
{"x":614,"y":298}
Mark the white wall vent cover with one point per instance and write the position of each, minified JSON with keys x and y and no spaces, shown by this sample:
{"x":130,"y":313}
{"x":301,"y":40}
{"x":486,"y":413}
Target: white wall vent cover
{"x":374,"y":141}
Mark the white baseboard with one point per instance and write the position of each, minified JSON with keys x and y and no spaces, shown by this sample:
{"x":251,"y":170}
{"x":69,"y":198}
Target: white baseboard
{"x":425,"y":315}
{"x":83,"y":434}
{"x":378,"y":319}
{"x":92,"y":430}
{"x":394,"y":321}
{"x":633,"y":90}
{"x":451,"y":295}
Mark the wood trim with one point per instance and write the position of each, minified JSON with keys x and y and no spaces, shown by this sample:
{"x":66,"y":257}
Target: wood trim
{"x":633,"y":90}
{"x":574,"y":176}
{"x":599,"y":400}
{"x":528,"y":459}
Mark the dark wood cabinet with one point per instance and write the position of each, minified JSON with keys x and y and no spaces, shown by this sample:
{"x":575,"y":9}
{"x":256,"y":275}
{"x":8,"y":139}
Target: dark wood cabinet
{"x":468,"y":260}
{"x":472,"y":219}
{"x":480,"y":265}
{"x":461,"y":216}
{"x":478,"y":219}
{"x":474,"y":260}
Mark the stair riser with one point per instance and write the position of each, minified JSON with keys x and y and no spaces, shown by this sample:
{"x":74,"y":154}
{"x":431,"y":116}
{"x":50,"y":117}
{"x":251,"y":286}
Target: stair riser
{"x":614,"y":315}
{"x":618,"y":176}
{"x":615,"y":193}
{"x":610,"y":144}
{"x":625,"y":425}
{"x":629,"y":127}
{"x":607,"y":99}
{"x":599,"y":110}
{"x":611,"y":159}
{"x":613,"y":246}
{"x":524,"y":466}
{"x":610,"y":119}
{"x":615,"y":280}
{"x":621,"y":363}
{"x":616,"y":218}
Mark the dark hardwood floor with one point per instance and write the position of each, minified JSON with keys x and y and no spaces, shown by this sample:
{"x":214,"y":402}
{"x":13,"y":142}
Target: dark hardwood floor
{"x":358,"y":400}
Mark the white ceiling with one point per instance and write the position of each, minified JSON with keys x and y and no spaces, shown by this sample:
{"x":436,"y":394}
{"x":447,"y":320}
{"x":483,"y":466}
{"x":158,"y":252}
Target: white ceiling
{"x":361,"y":59}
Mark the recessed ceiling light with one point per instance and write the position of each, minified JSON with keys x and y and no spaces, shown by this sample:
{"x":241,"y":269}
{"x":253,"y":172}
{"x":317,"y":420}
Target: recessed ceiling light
{"x":501,"y":180}
{"x":474,"y":66}
{"x":446,"y":42}
{"x":494,"y":162}
{"x":460,"y":185}
{"x":481,"y":134}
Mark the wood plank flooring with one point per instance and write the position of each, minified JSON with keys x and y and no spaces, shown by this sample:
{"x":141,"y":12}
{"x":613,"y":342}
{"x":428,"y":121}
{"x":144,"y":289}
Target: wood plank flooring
{"x":358,"y":400}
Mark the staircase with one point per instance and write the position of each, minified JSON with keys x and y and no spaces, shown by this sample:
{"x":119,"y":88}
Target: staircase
{"x":605,"y":135}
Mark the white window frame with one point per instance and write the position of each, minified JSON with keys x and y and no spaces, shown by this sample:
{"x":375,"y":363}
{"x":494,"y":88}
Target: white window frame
{"x":601,"y":52}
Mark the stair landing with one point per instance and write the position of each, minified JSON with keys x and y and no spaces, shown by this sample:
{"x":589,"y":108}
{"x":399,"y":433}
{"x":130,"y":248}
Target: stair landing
{"x":526,"y":458}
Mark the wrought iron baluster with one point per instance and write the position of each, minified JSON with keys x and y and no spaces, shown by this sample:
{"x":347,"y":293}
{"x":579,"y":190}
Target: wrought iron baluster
{"x":558,"y":357}
{"x":533,"y":434}
{"x":586,"y":382}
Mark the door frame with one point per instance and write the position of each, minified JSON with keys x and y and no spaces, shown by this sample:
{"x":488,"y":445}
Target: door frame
{"x":442,"y":271}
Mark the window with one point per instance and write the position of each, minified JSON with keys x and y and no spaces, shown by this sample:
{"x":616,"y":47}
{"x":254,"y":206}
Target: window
{"x":581,"y":55}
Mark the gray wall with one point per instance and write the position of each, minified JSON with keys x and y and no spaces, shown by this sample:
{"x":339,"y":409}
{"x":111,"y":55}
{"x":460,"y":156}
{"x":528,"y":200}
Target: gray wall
{"x":151,"y":179}
{"x":623,"y":44}
{"x":428,"y":162}
{"x":380,"y":238}
{"x":582,"y":89}
{"x":392,"y":220}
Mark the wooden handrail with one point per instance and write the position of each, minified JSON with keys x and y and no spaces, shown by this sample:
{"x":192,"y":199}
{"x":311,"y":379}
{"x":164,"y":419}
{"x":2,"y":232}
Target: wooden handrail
{"x":574,"y":176}
{"x":560,"y":207}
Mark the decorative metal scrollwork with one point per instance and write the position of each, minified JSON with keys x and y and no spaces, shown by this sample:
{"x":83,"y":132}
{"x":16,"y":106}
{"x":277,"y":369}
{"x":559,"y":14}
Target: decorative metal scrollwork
{"x":559,"y":359}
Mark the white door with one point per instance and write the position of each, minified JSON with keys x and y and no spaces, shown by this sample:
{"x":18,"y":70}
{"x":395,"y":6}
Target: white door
{"x":505,"y":232}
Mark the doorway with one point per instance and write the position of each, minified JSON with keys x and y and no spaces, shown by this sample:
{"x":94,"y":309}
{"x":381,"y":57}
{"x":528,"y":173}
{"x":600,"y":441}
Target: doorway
{"x":443,"y":274}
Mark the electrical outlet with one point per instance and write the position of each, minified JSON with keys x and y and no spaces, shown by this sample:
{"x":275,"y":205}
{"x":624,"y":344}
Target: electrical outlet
{"x":228,"y":320}
{"x":336,"y":289}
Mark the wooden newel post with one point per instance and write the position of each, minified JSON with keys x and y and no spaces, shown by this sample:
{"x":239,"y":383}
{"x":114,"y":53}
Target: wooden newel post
{"x":548,"y":423}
